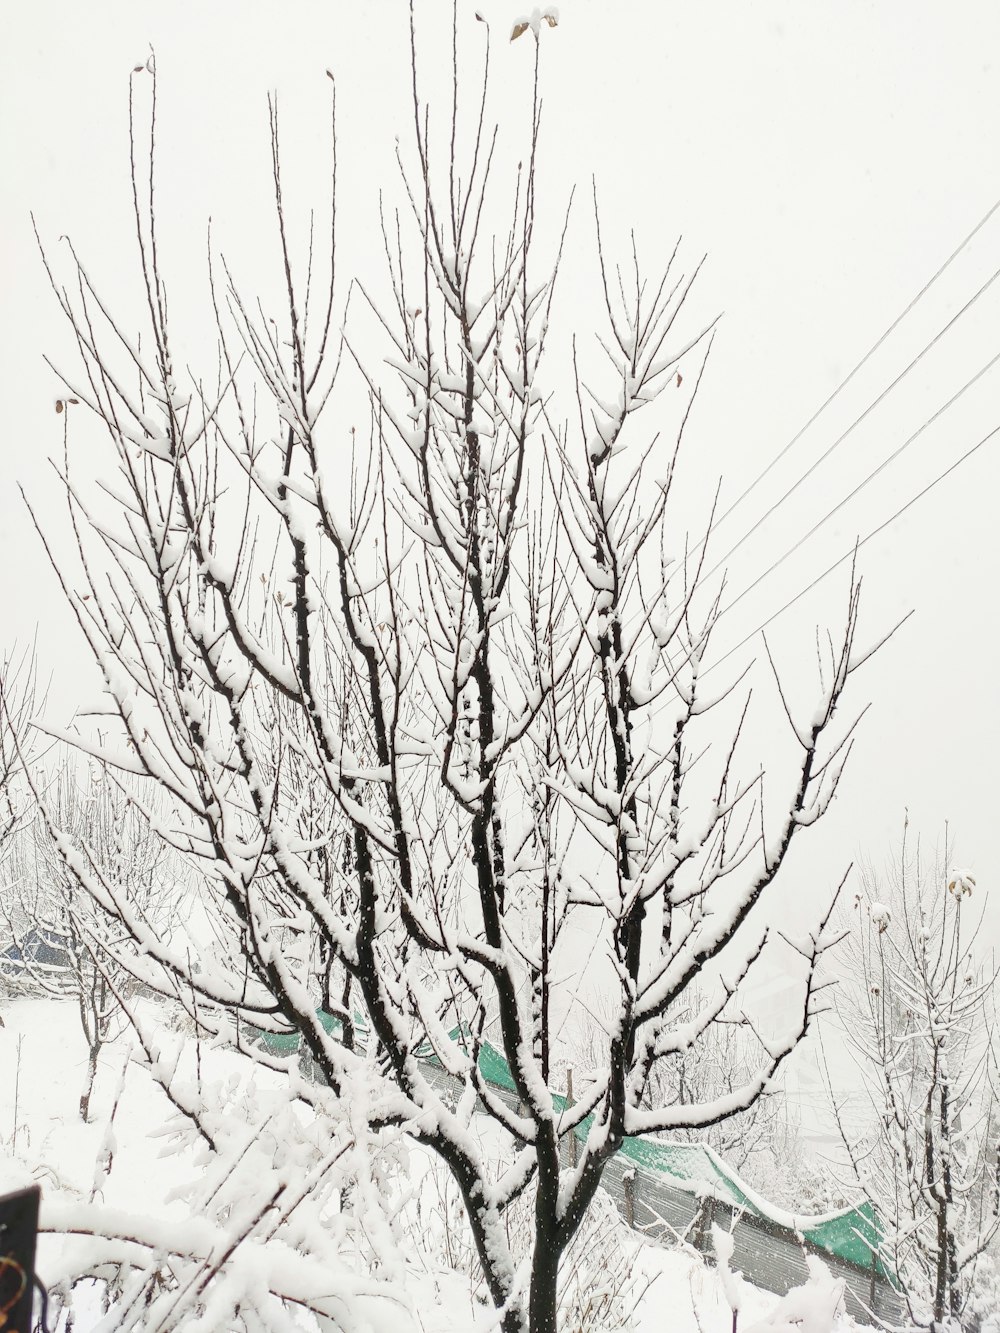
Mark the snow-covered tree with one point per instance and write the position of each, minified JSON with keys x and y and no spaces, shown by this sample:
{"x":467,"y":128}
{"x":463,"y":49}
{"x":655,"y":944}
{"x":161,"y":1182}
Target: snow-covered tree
{"x":53,"y":923}
{"x":719,"y":1061}
{"x":420,"y":693}
{"x":794,"y":1174}
{"x":916,"y":1005}
{"x":20,"y":699}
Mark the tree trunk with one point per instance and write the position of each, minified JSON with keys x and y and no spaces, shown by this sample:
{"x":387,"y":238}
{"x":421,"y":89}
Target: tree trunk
{"x":543,"y":1296}
{"x":88,"y":1086}
{"x":544,"y":1292}
{"x":954,"y":1292}
{"x":513,"y":1321}
{"x":941,"y":1267}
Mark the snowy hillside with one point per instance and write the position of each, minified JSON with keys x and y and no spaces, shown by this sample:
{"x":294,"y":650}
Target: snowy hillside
{"x":130,"y":1174}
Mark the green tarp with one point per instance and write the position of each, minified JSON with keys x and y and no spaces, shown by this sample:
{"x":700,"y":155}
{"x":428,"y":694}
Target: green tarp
{"x":287,"y":1043}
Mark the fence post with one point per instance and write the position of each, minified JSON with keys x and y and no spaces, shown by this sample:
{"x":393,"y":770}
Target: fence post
{"x":18,"y":1234}
{"x":569,"y":1102}
{"x":628,"y":1183}
{"x":702,"y":1233}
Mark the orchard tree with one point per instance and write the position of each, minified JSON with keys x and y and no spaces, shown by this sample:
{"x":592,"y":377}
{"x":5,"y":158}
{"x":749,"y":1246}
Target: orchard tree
{"x":421,"y":691}
{"x":43,"y":902}
{"x":917,"y":1009}
{"x":718,"y":1062}
{"x":20,"y":700}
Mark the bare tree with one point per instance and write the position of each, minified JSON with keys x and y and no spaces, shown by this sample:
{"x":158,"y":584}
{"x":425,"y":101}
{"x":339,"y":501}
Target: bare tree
{"x":20,"y":700}
{"x":53,"y":922}
{"x":795,"y":1174}
{"x":719,"y":1062}
{"x":422,"y":692}
{"x":917,"y":1008}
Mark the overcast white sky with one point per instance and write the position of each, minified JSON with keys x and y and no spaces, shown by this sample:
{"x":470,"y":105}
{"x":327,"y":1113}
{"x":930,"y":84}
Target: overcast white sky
{"x":828,"y":154}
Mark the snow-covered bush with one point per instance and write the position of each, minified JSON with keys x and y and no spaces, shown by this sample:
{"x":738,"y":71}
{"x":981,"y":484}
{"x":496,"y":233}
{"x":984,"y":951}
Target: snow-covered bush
{"x":283,"y":1216}
{"x":55,"y":927}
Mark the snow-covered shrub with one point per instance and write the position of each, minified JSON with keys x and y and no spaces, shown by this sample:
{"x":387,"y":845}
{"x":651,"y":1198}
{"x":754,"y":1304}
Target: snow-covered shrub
{"x":279,"y":1215}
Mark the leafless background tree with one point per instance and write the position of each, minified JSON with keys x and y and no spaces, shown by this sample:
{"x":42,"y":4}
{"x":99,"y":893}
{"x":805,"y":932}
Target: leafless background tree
{"x":54,"y":925}
{"x":20,"y":700}
{"x":720,"y":1062}
{"x":917,"y":1008}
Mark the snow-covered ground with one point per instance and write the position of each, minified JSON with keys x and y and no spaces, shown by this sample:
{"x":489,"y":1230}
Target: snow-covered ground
{"x":43,"y":1139}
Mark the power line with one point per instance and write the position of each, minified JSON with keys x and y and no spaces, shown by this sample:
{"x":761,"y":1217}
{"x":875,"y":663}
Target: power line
{"x":870,"y":408}
{"x":856,"y":547}
{"x":854,"y":424}
{"x":896,"y":453}
{"x":860,"y":365}
{"x":871,"y":477}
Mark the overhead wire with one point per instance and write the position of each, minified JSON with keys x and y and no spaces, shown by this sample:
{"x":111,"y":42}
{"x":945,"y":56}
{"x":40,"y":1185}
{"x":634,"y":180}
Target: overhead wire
{"x":860,"y":365}
{"x":715,"y":523}
{"x":870,"y":477}
{"x":856,"y":546}
{"x":896,"y":453}
{"x":855,"y":423}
